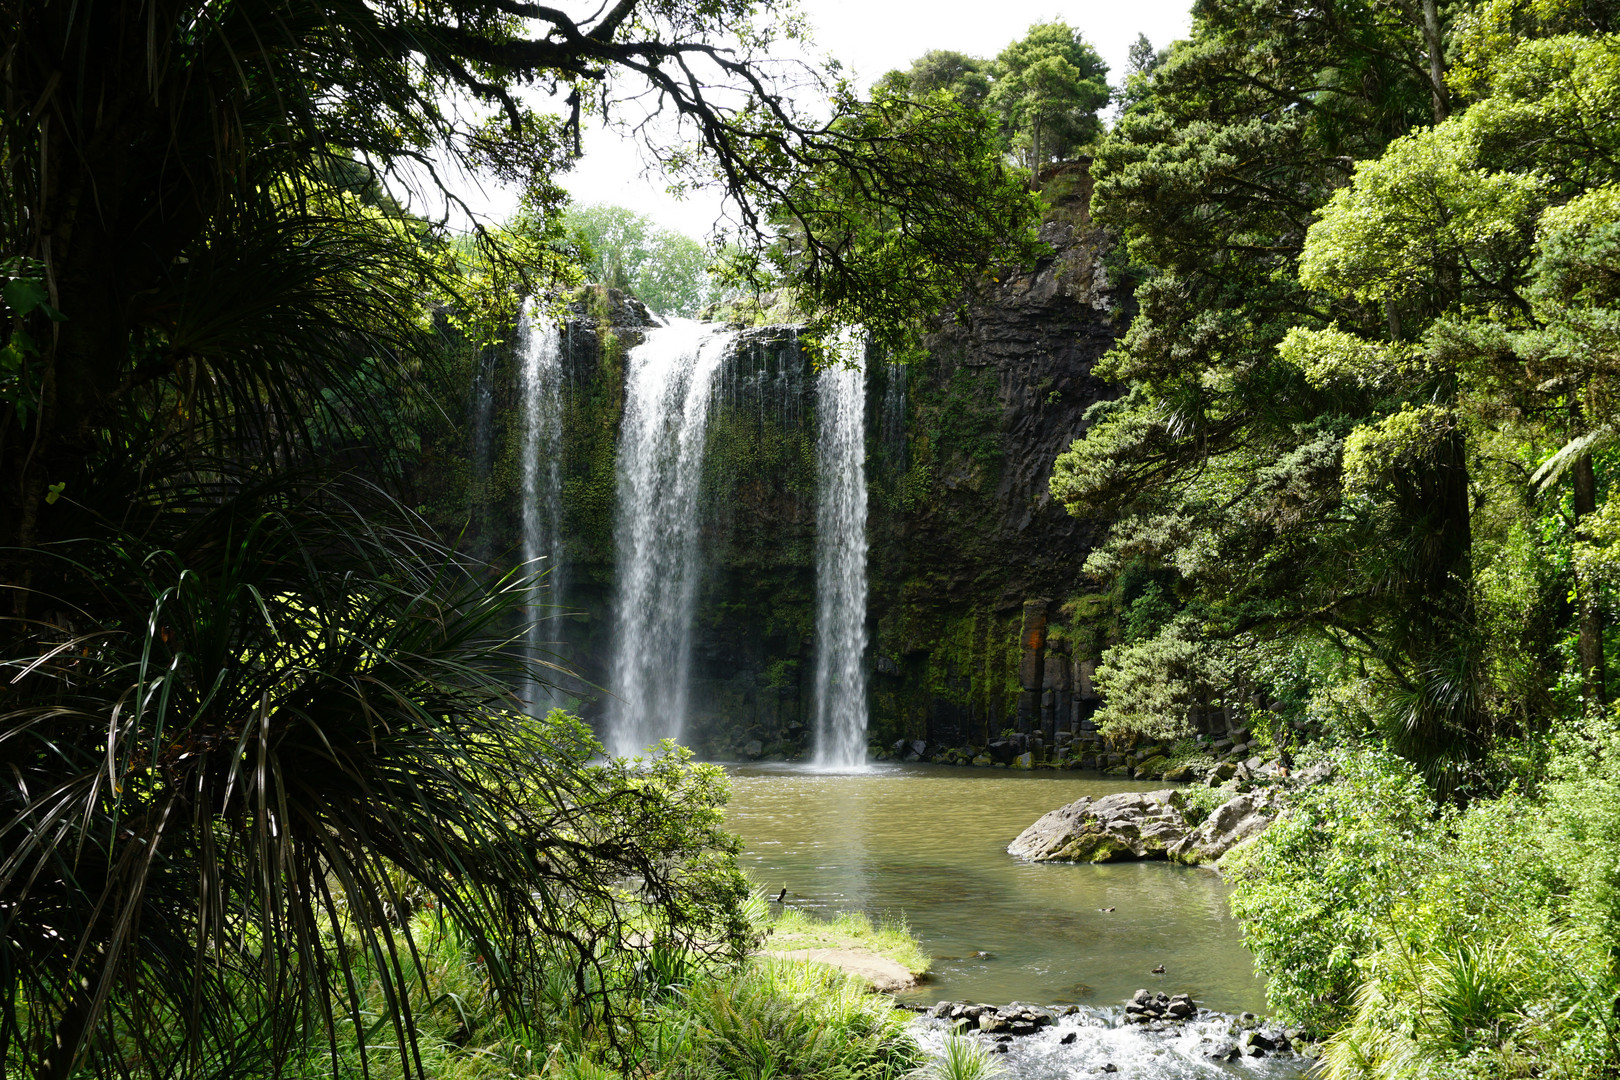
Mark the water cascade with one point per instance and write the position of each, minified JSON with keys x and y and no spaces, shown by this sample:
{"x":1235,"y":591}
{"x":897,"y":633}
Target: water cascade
{"x":668,"y":388}
{"x":542,"y":355}
{"x":840,"y":686}
{"x":480,"y":423}
{"x":892,"y":431}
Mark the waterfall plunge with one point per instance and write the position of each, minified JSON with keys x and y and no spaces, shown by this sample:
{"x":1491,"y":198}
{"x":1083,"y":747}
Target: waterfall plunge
{"x":541,"y":350}
{"x":668,"y":388}
{"x":840,"y":717}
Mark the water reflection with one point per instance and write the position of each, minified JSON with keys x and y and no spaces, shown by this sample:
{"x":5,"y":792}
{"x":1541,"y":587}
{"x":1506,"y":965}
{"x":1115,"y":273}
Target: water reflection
{"x":928,"y":843}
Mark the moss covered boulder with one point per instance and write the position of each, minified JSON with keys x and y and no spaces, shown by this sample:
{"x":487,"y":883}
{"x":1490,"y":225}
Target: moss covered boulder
{"x":1122,"y":826}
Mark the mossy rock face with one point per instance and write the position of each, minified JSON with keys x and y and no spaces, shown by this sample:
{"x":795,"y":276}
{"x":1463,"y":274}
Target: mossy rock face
{"x":1154,"y":767}
{"x":1178,"y":774}
{"x":1093,"y":846}
{"x":1117,"y":770}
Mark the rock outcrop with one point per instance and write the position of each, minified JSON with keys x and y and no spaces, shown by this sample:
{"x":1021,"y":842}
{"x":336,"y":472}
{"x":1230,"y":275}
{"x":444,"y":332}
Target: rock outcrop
{"x":1231,"y":823}
{"x":1134,"y":825}
{"x":1124,"y":826}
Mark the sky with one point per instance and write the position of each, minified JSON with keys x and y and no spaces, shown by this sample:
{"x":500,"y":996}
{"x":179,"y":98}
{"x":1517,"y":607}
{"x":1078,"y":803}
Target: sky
{"x":869,"y":37}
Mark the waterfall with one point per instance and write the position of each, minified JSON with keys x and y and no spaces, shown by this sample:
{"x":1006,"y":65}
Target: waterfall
{"x":668,"y":387}
{"x":840,"y":704}
{"x":480,"y":417}
{"x":540,"y":347}
{"x":893,"y":430}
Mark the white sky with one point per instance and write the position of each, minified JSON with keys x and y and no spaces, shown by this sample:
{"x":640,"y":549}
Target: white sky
{"x":869,"y":37}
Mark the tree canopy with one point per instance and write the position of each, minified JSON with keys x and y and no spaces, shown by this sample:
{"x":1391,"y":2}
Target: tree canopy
{"x":1048,"y":88}
{"x":666,"y":270}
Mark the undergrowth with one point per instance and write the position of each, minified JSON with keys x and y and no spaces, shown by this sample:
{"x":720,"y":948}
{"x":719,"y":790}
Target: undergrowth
{"x":697,"y":1020}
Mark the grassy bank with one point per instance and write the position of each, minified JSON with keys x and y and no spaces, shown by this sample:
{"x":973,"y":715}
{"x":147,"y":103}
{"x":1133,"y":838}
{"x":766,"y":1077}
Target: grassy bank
{"x":695,"y":1020}
{"x":794,"y":929}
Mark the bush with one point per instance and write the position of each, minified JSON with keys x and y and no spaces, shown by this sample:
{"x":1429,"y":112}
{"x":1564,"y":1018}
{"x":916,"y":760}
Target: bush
{"x":1312,"y":889}
{"x":1436,"y":942}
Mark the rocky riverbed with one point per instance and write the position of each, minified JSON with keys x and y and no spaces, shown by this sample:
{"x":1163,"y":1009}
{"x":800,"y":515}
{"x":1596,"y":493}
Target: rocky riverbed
{"x":1152,"y":1035}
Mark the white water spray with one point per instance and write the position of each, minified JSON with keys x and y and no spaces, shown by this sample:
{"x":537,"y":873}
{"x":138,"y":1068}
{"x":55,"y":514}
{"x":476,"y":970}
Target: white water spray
{"x":540,"y":347}
{"x":668,"y":388}
{"x":840,"y":704}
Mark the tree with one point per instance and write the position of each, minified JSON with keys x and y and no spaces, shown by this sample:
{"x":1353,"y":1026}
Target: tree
{"x":960,"y":204}
{"x":1223,"y":462}
{"x":963,"y":77}
{"x":667,"y":271}
{"x":1048,"y":87}
{"x":252,"y":710}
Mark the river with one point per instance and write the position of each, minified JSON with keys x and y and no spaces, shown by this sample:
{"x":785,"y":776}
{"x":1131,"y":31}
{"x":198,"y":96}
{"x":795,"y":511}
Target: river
{"x":929,"y":843}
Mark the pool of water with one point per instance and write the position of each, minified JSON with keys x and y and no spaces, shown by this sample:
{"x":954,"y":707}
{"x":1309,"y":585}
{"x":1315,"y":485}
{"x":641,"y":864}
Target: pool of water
{"x":929,"y":843}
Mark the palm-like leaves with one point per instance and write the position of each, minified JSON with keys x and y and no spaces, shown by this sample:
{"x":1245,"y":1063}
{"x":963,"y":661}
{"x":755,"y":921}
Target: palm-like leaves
{"x":293,"y":726}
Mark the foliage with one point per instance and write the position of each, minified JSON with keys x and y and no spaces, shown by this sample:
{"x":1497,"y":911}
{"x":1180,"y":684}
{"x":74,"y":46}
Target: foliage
{"x":1311,"y":891}
{"x":1048,"y":87}
{"x":887,"y":259}
{"x":665,"y":270}
{"x":1438,"y":942}
{"x":281,"y":724}
{"x":961,"y":1058}
{"x":775,"y":1018}
{"x":965,"y":78}
{"x":1347,"y":359}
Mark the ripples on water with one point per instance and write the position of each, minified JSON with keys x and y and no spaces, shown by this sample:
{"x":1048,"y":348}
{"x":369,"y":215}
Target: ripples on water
{"x":929,"y":843}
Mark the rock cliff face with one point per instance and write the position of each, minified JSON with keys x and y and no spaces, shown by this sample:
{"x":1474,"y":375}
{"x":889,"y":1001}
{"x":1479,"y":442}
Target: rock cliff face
{"x":980,"y":618}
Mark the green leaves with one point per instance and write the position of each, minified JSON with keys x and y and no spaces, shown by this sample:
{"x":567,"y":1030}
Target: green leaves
{"x":1425,"y":222}
{"x":1047,"y":89}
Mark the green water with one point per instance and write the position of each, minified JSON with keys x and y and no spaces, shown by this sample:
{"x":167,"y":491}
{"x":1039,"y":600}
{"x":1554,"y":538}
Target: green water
{"x":929,"y":843}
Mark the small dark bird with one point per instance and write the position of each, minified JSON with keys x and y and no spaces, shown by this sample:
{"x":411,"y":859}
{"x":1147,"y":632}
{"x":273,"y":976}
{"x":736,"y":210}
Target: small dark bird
{"x":781,"y":896}
{"x":1159,"y":970}
{"x":1105,"y":909}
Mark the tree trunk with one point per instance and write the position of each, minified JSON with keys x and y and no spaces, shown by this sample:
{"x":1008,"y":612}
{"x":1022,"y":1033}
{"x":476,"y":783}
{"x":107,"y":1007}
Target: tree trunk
{"x":1436,"y":46}
{"x":1035,"y":156}
{"x":1593,"y":675}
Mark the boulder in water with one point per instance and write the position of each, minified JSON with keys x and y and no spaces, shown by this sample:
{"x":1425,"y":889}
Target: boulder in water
{"x":1125,"y":825}
{"x":1143,"y":825}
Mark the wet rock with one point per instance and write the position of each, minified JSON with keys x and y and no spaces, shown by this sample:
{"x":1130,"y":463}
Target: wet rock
{"x":1069,"y":1038}
{"x":1224,"y":1051}
{"x":752,"y":749}
{"x":1002,"y":751}
{"x":990,"y":1023}
{"x":1122,"y":826}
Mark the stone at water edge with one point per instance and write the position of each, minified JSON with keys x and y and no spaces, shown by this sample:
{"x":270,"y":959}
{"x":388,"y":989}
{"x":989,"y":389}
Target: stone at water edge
{"x":1125,"y":825}
{"x":1231,"y":823}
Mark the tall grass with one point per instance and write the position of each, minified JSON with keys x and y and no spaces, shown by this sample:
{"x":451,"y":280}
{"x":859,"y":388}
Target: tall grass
{"x":752,"y":1021}
{"x":773,"y":1018}
{"x":961,"y":1058}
